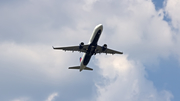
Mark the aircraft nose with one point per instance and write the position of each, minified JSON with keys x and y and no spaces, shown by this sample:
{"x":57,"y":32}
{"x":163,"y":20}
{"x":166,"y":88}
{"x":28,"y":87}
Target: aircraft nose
{"x":100,"y":26}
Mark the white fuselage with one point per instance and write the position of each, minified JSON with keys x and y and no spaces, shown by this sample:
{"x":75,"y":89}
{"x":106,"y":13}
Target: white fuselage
{"x":92,"y":45}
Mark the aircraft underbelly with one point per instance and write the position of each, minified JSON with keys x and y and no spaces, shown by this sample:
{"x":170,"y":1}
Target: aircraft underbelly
{"x":86,"y":59}
{"x":96,"y":38}
{"x":91,"y":49}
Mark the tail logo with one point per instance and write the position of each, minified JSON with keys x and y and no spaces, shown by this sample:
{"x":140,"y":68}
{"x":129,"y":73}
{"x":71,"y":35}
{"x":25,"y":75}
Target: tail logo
{"x":80,"y":59}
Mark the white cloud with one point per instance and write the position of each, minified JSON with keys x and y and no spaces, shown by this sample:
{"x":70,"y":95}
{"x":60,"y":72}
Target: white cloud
{"x":36,"y":69}
{"x":88,"y":4}
{"x":141,"y":32}
{"x":52,"y":96}
{"x":126,"y":80}
{"x":21,"y":99}
{"x":39,"y":61}
{"x":172,"y":8}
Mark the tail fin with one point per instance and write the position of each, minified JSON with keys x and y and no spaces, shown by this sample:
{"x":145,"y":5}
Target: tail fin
{"x":78,"y":67}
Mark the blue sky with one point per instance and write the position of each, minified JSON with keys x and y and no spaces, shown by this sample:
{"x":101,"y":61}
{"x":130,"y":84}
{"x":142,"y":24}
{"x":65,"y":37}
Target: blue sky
{"x":158,"y":4}
{"x":146,"y":31}
{"x":165,"y":77}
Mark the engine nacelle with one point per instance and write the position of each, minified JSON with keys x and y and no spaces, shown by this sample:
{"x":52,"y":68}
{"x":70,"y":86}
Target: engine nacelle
{"x":81,"y":45}
{"x":104,"y":47}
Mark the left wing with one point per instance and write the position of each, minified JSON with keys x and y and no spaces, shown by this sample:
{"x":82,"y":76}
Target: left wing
{"x":73,"y":48}
{"x":99,"y":49}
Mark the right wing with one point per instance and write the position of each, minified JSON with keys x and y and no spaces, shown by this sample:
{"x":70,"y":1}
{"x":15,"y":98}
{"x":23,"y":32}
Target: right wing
{"x":107,"y":51}
{"x":73,"y":48}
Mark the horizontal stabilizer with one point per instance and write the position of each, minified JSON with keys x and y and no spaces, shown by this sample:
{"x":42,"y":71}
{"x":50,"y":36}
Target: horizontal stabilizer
{"x":75,"y":67}
{"x":78,"y":67}
{"x":87,"y":68}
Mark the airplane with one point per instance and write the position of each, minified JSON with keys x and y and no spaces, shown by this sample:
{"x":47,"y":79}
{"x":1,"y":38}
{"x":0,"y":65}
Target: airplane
{"x":90,"y":49}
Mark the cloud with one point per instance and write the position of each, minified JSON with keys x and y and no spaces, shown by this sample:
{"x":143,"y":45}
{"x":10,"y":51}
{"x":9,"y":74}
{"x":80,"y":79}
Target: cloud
{"x":52,"y":96}
{"x":126,"y":80}
{"x":150,"y":36}
{"x":31,"y":58}
{"x":172,"y":9}
{"x":88,"y":4}
{"x":27,"y":69}
{"x":36,"y":69}
{"x":21,"y":99}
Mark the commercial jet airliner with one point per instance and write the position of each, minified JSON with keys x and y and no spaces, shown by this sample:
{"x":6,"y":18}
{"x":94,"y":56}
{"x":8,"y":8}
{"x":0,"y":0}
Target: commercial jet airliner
{"x":90,"y":49}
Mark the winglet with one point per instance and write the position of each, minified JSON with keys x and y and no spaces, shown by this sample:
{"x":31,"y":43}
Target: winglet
{"x":52,"y":47}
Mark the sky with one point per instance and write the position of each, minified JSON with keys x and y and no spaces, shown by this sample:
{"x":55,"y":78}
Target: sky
{"x":146,"y":31}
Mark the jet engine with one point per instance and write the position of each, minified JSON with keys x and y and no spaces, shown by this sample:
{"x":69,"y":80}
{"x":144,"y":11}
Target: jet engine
{"x":104,"y":47}
{"x":81,"y":45}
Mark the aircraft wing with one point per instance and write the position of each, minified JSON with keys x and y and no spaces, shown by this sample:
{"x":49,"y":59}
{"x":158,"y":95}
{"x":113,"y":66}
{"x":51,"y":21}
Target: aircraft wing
{"x":73,"y":48}
{"x":107,"y":51}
